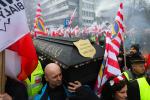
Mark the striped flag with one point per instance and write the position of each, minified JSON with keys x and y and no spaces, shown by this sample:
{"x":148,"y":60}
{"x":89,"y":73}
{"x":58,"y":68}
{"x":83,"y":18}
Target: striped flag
{"x":118,"y":30}
{"x":99,"y":78}
{"x":39,"y":26}
{"x":110,"y":66}
{"x":72,"y":17}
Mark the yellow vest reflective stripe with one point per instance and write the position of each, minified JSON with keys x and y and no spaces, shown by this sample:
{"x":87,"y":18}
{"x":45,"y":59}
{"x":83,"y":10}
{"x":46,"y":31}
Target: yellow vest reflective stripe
{"x":144,"y":88}
{"x":35,"y":84}
{"x":128,"y":75}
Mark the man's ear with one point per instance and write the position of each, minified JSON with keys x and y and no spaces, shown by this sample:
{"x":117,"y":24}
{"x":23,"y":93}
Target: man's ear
{"x":46,"y":78}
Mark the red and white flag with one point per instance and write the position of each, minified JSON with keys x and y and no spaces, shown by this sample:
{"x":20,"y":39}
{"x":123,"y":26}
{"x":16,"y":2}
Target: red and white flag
{"x":85,"y":30}
{"x":110,"y":64}
{"x":39,"y":26}
{"x":20,"y":57}
{"x":118,"y":29}
{"x":75,"y":31}
{"x":72,"y":17}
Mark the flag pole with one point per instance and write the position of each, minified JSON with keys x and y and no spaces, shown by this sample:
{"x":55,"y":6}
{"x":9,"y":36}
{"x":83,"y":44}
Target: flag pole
{"x":2,"y":72}
{"x":124,"y":51}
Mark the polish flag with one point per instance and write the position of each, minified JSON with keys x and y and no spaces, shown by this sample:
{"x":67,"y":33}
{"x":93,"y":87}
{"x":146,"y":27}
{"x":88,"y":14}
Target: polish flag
{"x":20,"y":57}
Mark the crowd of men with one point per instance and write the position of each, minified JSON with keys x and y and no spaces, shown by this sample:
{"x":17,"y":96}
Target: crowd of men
{"x":133,"y":84}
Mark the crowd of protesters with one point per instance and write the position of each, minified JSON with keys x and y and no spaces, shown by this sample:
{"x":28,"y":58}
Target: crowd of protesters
{"x":133,"y":84}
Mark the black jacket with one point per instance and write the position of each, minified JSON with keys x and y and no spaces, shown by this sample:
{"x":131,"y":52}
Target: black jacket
{"x":85,"y":93}
{"x":59,"y":93}
{"x":16,"y":89}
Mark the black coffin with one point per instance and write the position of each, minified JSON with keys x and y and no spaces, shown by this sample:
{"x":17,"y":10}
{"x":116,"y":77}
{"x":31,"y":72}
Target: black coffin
{"x":63,"y":51}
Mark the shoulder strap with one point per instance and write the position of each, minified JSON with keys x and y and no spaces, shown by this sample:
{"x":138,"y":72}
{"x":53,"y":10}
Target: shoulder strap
{"x":39,"y":96}
{"x":129,"y":74}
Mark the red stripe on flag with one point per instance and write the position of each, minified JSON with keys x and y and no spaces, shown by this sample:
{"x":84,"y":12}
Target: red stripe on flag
{"x":25,"y":48}
{"x":120,"y":15}
{"x":121,"y":26}
{"x":112,"y":62}
{"x":115,"y":42}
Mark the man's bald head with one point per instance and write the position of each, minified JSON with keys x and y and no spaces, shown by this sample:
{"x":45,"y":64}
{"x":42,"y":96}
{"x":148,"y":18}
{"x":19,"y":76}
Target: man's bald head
{"x":52,"y":67}
{"x":53,"y":75}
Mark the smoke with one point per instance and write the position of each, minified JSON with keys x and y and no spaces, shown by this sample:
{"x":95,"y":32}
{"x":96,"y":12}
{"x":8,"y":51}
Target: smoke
{"x":137,"y":23}
{"x":137,"y":19}
{"x":105,"y":5}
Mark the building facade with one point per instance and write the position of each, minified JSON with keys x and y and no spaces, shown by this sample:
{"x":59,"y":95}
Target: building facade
{"x":56,"y":11}
{"x":86,"y":12}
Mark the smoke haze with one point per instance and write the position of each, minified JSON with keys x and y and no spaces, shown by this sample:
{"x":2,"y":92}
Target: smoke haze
{"x":136,"y":15}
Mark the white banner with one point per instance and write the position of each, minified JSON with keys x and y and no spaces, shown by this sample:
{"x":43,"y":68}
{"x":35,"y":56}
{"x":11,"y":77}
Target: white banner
{"x":13,"y":22}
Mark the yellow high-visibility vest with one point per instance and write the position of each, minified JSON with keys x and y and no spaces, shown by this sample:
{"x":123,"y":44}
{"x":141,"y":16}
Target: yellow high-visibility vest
{"x":144,"y":88}
{"x":34,"y":85}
